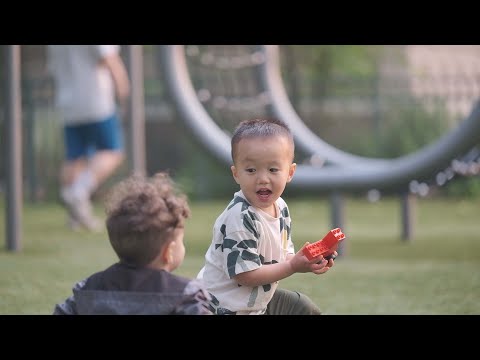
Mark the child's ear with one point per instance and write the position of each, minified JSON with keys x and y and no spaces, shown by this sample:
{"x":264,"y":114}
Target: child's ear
{"x":234,"y":173}
{"x":167,"y":253}
{"x":291,"y":171}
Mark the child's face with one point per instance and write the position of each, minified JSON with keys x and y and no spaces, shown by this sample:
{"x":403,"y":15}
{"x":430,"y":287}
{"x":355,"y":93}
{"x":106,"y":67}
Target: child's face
{"x":263,"y":167}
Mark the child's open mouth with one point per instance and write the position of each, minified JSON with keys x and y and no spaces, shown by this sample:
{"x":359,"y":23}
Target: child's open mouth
{"x":264,"y":194}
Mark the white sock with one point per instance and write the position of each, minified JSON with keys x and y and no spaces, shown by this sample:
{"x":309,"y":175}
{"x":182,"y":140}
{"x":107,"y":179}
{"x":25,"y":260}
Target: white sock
{"x":85,"y":183}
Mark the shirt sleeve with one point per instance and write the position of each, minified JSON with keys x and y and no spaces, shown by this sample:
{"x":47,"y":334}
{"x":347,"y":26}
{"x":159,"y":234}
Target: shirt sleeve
{"x":287,"y":223}
{"x":69,"y":306}
{"x":240,"y":244}
{"x":102,"y":51}
{"x":196,"y":300}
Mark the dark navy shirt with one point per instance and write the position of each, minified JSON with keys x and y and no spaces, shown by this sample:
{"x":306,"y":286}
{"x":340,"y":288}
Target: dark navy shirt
{"x":126,"y":290}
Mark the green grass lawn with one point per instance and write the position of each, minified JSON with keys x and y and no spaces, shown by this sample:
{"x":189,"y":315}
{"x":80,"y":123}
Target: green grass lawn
{"x":437,"y":272}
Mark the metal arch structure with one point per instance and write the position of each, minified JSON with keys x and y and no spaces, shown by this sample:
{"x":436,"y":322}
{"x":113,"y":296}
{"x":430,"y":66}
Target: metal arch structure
{"x":280,"y":106}
{"x":191,"y":111}
{"x":345,"y":171}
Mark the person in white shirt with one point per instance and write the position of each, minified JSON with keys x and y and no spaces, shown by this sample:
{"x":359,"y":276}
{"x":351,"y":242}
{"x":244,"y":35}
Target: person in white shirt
{"x":91,"y":84}
{"x":252,"y":248}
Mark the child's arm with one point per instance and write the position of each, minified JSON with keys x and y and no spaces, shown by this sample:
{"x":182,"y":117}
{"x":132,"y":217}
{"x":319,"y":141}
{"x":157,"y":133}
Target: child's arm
{"x":271,"y":273}
{"x":317,"y":258}
{"x":119,"y":74}
{"x":68,"y":307}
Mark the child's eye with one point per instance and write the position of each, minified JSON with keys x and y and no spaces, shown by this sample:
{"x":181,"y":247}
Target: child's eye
{"x":250,"y":170}
{"x":273,"y":170}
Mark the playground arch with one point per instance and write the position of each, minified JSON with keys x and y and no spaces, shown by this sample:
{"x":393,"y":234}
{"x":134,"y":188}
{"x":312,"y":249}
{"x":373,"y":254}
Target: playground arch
{"x":344,"y":171}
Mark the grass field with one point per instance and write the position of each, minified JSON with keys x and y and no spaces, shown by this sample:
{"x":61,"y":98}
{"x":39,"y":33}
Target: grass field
{"x":437,"y":272}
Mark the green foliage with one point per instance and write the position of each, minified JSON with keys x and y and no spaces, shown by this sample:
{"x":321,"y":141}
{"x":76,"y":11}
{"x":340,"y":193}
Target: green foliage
{"x":406,"y":129}
{"x":339,"y":60}
{"x":321,"y":66}
{"x":204,"y":177}
{"x":462,"y":186}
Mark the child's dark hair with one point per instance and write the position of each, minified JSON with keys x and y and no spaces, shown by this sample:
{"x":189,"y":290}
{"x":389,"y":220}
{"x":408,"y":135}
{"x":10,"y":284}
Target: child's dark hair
{"x":253,"y":128}
{"x":142,"y":214}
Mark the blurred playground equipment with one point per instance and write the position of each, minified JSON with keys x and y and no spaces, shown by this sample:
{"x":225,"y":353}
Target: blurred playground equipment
{"x":209,"y":88}
{"x":342,"y":170}
{"x":327,"y":168}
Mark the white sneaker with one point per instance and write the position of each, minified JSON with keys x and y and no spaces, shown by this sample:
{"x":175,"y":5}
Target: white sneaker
{"x":94,"y":224}
{"x":80,"y":210}
{"x":73,"y":224}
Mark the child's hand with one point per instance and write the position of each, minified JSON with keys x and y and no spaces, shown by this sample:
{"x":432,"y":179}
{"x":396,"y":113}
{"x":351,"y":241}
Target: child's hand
{"x":331,"y":259}
{"x":318,"y":265}
{"x":326,"y":264}
{"x":322,"y":266}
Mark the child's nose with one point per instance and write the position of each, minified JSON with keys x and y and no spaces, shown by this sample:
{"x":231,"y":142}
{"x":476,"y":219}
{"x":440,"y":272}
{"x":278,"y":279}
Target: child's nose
{"x":263,"y":177}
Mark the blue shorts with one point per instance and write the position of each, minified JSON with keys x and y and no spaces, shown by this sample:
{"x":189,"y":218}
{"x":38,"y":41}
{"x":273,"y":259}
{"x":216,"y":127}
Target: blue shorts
{"x":83,"y":140}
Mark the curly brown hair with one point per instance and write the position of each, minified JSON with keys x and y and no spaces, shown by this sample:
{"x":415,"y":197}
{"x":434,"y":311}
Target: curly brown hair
{"x":142,"y":214}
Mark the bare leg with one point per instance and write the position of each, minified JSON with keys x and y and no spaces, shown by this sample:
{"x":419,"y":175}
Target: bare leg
{"x":79,"y":179}
{"x":70,"y":171}
{"x":103,"y":164}
{"x":86,"y":179}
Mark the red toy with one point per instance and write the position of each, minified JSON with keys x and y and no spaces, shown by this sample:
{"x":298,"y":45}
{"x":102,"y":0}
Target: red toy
{"x":326,"y":246}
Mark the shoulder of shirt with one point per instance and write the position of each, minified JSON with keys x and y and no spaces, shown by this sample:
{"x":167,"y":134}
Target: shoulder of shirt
{"x":281,"y":202}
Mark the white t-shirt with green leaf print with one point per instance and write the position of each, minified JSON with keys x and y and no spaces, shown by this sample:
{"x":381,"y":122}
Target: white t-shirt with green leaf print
{"x":244,"y":239}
